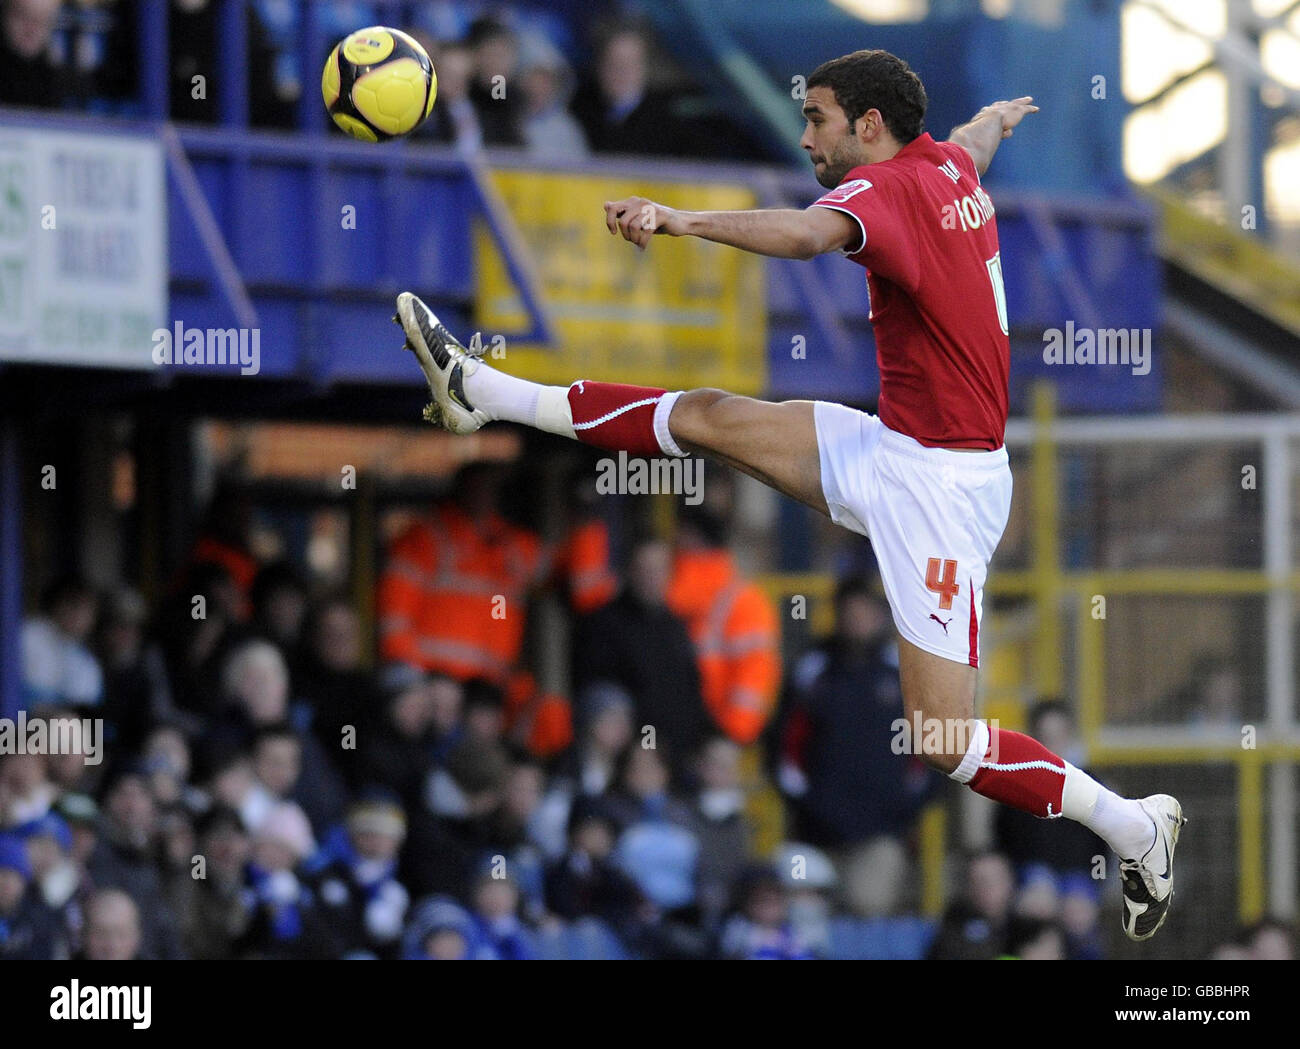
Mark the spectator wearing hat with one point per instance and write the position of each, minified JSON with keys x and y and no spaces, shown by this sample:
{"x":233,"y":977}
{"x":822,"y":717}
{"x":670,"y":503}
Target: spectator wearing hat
{"x":550,"y":131}
{"x":441,"y":929}
{"x":286,"y":921}
{"x":360,"y":896}
{"x":29,"y":930}
{"x":126,"y":856}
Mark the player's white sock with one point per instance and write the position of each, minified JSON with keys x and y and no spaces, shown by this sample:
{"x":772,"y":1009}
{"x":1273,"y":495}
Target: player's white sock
{"x":1119,"y":822}
{"x":509,"y":399}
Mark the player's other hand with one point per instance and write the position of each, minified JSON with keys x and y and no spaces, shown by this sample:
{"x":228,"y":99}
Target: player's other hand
{"x":639,"y":219}
{"x":1011,"y":113}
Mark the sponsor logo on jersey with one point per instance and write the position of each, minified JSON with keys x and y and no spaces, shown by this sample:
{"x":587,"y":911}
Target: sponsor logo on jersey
{"x":845,"y":190}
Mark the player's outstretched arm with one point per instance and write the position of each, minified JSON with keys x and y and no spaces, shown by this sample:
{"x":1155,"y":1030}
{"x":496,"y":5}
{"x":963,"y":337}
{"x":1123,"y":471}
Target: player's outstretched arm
{"x":783,"y":233}
{"x":987,"y":128}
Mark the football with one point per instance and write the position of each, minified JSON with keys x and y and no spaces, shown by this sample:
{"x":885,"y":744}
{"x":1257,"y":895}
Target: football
{"x":378,"y":84}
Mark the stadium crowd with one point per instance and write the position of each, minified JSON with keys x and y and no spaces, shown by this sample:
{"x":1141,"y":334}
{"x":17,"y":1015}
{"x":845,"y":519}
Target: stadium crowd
{"x":508,"y":76}
{"x":270,"y":791}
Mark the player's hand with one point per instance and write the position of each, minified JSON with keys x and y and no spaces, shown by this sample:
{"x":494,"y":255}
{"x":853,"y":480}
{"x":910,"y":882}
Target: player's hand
{"x":1011,"y":113}
{"x":638,"y":219}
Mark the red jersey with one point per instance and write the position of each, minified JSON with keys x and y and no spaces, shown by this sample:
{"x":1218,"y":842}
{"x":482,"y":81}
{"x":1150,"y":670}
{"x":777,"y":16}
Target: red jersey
{"x":930,"y":246}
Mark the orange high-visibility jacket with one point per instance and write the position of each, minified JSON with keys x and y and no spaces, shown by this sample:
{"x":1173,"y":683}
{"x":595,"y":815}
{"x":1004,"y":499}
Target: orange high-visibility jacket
{"x":737,"y":643}
{"x":583,"y":560}
{"x":452,"y":596}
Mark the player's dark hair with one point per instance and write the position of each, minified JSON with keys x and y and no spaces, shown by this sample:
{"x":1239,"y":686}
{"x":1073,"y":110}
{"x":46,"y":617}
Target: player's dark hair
{"x":876,"y":80}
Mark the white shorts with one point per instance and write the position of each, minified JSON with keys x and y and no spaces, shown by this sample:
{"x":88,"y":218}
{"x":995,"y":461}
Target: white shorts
{"x":934,"y":518}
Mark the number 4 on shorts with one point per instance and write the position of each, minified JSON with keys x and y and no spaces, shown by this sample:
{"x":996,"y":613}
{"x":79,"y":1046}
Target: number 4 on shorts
{"x":944,"y":584}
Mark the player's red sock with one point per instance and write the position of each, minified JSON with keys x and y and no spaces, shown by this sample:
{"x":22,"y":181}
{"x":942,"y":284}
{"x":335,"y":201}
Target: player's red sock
{"x":616,"y":417}
{"x":1019,"y":771}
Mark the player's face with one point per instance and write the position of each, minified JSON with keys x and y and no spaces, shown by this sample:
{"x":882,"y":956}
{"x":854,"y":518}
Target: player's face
{"x":832,"y":145}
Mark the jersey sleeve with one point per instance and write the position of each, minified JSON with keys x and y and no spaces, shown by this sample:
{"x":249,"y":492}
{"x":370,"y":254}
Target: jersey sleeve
{"x":880,"y":216}
{"x":961,"y":155}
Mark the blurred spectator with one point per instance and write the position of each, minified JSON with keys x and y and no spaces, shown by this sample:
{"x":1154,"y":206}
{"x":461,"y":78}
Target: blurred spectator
{"x":975,"y":926}
{"x":454,"y":119}
{"x":657,"y":846}
{"x":286,"y":921}
{"x":360,"y":896}
{"x":618,"y":110}
{"x":166,"y":759}
{"x":55,"y":873}
{"x":723,"y":828}
{"x":29,"y":929}
{"x":69,"y":770}
{"x":640,"y":644}
{"x":113,"y":931}
{"x":468,"y":790}
{"x":27,"y":75}
{"x":876,"y":876}
{"x":126,"y":856}
{"x":58,"y":667}
{"x":760,"y":928}
{"x":26,"y":793}
{"x":512,"y":831}
{"x":732,"y":623}
{"x":550,"y":132}
{"x":256,"y":684}
{"x":1037,"y":939}
{"x":496,"y":904}
{"x":231,"y":782}
{"x":453,"y":597}
{"x":440,"y":930}
{"x":193,"y":38}
{"x":846,"y":783}
{"x":1269,"y":939}
{"x":494,"y":88}
{"x":219,"y":910}
{"x":279,"y":602}
{"x":421,"y":724}
{"x":332,"y":683}
{"x":584,"y":882}
{"x":194,"y":627}
{"x":137,"y":693}
{"x":810,"y":882}
{"x":582,"y":561}
{"x":224,"y":540}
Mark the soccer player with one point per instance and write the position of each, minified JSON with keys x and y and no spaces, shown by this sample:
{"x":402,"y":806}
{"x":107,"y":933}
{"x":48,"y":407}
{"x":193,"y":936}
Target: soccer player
{"x":927,"y":479}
